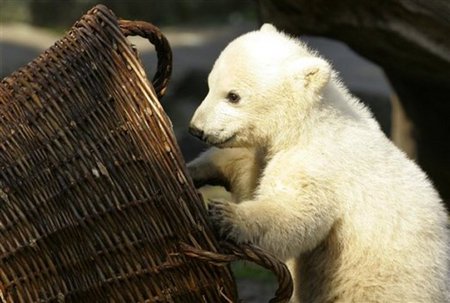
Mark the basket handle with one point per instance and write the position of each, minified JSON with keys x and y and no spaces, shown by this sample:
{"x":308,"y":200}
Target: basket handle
{"x":162,"y":47}
{"x":233,"y":252}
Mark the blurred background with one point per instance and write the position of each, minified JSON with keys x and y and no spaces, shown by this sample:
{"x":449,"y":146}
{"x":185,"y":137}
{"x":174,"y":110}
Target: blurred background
{"x":199,"y":29}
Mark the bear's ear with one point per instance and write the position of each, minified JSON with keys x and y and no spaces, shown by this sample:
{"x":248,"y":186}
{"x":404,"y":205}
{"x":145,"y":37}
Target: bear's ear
{"x":267,"y":27}
{"x":312,"y":73}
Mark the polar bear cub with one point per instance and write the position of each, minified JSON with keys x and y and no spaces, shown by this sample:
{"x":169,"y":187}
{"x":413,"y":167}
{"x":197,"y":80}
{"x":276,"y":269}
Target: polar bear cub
{"x":318,"y":184}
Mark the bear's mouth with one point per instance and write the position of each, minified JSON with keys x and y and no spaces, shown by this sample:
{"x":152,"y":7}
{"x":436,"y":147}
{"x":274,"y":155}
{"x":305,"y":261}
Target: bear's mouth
{"x":218,"y":142}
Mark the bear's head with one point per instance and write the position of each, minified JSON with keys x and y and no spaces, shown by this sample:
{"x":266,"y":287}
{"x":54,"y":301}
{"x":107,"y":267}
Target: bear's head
{"x":262,"y":83}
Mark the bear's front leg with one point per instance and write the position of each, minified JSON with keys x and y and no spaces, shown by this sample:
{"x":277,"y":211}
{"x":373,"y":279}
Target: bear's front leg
{"x":207,"y":169}
{"x":236,"y":169}
{"x":286,"y":222}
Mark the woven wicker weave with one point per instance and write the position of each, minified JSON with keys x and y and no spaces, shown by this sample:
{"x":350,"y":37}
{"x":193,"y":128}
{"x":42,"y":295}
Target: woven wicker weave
{"x":95,"y":205}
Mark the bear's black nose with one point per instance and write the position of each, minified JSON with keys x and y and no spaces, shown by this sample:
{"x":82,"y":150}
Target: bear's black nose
{"x":196,"y":132}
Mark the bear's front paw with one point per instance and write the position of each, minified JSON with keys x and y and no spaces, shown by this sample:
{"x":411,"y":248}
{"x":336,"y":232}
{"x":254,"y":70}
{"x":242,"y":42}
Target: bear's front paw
{"x":197,"y":175}
{"x":206,"y":175}
{"x":225,"y":220}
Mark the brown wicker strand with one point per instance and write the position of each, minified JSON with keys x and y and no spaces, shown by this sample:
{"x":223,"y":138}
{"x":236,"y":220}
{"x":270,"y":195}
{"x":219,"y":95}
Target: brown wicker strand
{"x":234,"y":252}
{"x":163,"y":50}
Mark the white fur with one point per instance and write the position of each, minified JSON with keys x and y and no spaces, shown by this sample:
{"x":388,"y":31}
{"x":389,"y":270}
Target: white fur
{"x":319,"y":185}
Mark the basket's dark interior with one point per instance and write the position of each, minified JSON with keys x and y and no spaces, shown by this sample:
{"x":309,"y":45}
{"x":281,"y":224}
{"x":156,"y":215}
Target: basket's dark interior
{"x":93,"y":195}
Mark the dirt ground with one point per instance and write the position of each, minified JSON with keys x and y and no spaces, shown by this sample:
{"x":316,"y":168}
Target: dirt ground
{"x":255,"y":291}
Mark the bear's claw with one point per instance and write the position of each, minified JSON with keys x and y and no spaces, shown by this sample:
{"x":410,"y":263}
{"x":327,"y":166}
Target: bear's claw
{"x":223,"y":217}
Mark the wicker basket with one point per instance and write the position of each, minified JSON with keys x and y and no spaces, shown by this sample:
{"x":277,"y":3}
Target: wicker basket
{"x":95,"y":204}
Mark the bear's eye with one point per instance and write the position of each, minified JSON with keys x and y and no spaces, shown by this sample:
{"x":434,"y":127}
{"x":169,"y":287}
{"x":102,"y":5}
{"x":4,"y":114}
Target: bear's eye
{"x":233,"y":97}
